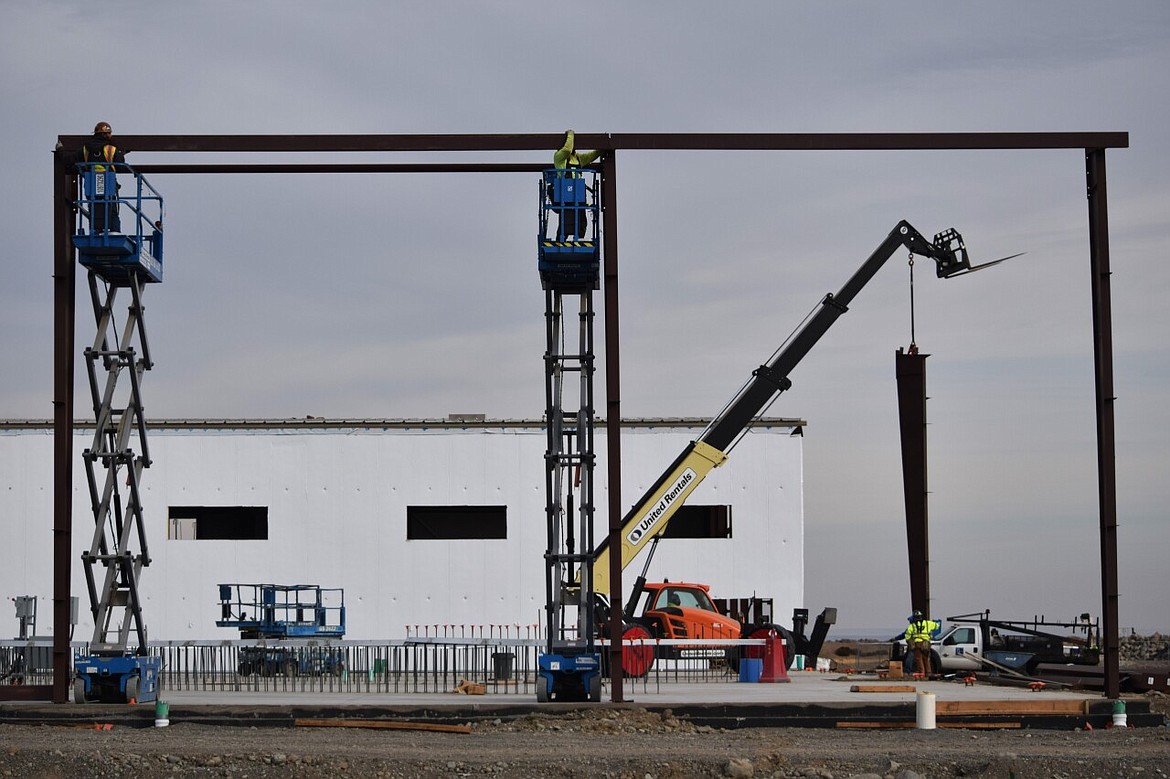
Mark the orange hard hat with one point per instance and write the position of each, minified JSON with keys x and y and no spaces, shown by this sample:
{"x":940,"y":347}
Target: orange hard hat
{"x":102,"y":127}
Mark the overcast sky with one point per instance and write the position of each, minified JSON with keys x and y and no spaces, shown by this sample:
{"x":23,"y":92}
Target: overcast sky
{"x":417,"y":296}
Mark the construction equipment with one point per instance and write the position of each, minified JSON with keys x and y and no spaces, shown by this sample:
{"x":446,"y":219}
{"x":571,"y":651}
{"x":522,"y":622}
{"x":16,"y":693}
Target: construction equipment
{"x":658,"y":505}
{"x":686,"y":610}
{"x":113,"y":671}
{"x":569,"y":668}
{"x":281,"y":613}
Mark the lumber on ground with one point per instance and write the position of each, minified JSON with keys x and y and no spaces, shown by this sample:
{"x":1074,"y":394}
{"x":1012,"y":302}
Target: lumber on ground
{"x":382,"y":724}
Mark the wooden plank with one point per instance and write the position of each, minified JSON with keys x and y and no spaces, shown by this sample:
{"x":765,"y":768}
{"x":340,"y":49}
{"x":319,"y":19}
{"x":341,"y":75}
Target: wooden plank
{"x":380,"y":724}
{"x":1042,"y":706}
{"x":906,"y":725}
{"x":883,"y":688}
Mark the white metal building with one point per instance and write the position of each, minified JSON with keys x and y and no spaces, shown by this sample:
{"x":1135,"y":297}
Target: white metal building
{"x":430,"y":523}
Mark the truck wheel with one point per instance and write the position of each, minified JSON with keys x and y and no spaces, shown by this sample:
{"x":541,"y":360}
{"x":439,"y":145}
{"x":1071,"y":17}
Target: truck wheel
{"x":79,"y":691}
{"x":636,"y":660}
{"x":639,"y":659}
{"x":541,"y":690}
{"x":132,"y":689}
{"x":936,"y":666}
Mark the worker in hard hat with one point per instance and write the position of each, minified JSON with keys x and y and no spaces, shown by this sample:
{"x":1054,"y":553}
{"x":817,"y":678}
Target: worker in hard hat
{"x":574,"y":221}
{"x":103,"y":154}
{"x":918,"y":635}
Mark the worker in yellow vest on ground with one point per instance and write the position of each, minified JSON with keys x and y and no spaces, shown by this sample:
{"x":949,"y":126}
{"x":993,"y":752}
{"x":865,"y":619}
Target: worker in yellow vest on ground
{"x":918,"y":635}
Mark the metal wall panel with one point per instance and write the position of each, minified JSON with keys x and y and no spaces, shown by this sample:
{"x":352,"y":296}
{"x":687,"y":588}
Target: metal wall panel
{"x":337,"y":517}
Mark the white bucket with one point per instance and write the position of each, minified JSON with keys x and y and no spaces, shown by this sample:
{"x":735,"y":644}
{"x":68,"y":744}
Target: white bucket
{"x":925,"y":711}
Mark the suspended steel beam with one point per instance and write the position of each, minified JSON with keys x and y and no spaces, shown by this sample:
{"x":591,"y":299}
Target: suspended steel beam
{"x":910,"y":371}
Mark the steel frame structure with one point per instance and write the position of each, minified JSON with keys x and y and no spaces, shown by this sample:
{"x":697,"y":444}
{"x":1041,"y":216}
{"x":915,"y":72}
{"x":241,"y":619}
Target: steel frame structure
{"x":1094,"y":145}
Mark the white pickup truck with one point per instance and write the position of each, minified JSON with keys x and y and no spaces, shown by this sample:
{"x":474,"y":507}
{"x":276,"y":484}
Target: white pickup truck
{"x":976,"y":642}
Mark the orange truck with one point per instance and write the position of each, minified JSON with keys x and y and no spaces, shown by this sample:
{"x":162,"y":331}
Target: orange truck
{"x":685,"y":610}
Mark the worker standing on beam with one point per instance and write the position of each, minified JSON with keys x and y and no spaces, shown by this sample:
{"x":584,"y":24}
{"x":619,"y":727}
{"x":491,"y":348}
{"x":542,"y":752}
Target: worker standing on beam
{"x":574,"y":221}
{"x":101,"y":152}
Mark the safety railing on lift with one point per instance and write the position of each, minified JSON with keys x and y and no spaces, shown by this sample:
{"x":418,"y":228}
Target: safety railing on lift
{"x":99,"y":237}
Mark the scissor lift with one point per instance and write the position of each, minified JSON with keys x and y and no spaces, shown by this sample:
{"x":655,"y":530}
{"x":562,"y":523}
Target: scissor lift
{"x":569,"y":668}
{"x":113,"y":671}
{"x":282,"y":610}
{"x":569,"y":259}
{"x":277,"y":615}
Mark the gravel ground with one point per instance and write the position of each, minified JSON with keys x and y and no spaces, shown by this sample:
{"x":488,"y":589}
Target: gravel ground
{"x":599,"y":743}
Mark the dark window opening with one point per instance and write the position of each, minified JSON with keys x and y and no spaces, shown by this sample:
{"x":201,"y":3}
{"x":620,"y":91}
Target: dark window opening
{"x":218,"y":523}
{"x":429,"y":523}
{"x":700,"y":522}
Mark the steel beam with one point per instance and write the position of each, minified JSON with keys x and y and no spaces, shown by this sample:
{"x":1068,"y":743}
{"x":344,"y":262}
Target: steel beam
{"x":613,"y":416}
{"x":910,"y":370}
{"x":1106,"y":452}
{"x":64,"y":328}
{"x":355,"y":167}
{"x":543,"y":142}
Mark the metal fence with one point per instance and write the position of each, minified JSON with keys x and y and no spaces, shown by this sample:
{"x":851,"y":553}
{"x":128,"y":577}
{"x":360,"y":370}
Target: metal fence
{"x":415,"y":665}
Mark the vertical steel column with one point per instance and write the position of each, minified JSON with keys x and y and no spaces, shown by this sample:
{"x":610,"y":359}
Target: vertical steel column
{"x":64,"y":315}
{"x":910,"y":370}
{"x":613,"y":417}
{"x":1106,"y":442}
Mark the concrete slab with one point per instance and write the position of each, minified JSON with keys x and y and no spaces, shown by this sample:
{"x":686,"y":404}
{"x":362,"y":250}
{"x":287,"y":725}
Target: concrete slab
{"x":803,"y":688}
{"x":807,"y":700}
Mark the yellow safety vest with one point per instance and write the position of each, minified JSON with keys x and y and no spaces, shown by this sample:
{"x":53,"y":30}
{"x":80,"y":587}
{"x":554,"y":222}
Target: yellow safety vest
{"x":920,"y":631}
{"x":109,"y":151}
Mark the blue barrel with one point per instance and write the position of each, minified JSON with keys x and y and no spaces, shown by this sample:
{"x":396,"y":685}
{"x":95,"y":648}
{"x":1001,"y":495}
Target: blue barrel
{"x":750,"y":669}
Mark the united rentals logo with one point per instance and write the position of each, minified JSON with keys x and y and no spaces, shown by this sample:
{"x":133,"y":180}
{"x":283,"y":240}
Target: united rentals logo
{"x":660,"y":508}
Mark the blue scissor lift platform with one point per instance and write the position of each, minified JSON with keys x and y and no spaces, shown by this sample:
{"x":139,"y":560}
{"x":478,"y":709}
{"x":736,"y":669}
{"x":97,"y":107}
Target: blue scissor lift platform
{"x":283,"y":613}
{"x":282,"y":610}
{"x":102,"y":246}
{"x":568,"y":242}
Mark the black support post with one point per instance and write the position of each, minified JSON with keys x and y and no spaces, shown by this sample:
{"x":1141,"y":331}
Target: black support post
{"x":1106,"y":442}
{"x":64,"y":320}
{"x":613,"y":417}
{"x":910,"y":370}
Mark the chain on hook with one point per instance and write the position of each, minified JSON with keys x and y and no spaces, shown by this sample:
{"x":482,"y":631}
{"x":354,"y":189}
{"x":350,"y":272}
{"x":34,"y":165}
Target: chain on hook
{"x":913,"y":342}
